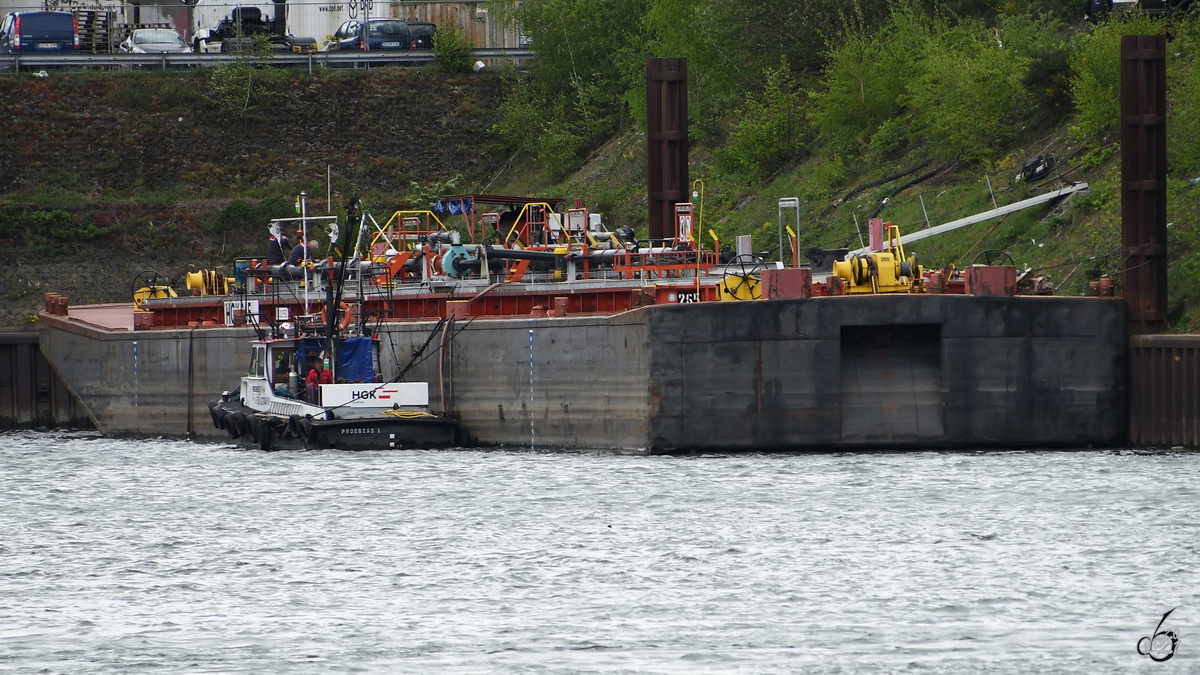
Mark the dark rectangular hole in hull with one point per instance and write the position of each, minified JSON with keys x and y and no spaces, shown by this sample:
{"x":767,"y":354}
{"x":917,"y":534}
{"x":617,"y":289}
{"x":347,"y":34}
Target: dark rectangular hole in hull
{"x":891,"y":389}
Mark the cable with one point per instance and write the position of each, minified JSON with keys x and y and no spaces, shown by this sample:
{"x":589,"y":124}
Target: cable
{"x":408,"y":414}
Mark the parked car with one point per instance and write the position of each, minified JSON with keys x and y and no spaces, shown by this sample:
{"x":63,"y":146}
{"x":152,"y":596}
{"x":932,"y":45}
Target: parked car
{"x":154,"y":41}
{"x":38,"y":33}
{"x":422,"y":34}
{"x":372,"y":35}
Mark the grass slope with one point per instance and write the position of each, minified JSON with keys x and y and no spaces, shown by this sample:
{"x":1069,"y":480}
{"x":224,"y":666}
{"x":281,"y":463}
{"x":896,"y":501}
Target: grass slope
{"x":153,"y":172}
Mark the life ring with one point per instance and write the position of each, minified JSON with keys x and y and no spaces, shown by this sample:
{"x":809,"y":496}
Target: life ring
{"x":344,"y":310}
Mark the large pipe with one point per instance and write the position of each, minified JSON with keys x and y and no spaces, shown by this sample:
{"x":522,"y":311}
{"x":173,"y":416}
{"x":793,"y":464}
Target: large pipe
{"x":523,"y":254}
{"x":495,"y":255}
{"x":519,"y":254}
{"x":463,"y":265}
{"x":296,"y":271}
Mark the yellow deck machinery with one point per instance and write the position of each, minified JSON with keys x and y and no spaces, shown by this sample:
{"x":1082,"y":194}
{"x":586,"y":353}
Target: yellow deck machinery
{"x":885,"y":271}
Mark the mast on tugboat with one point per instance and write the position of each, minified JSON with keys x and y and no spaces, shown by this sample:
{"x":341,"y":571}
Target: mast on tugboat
{"x":334,"y":290}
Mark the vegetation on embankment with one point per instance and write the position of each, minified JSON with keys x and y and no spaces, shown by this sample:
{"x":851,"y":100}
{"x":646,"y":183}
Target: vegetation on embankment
{"x":105,"y":175}
{"x":812,"y":99}
{"x":807,"y":100}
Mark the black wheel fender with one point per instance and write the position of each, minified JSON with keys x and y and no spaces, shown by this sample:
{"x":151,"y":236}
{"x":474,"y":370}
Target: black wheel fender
{"x":234,"y":424}
{"x":309,"y":431}
{"x":263,"y":435}
{"x":294,"y":428}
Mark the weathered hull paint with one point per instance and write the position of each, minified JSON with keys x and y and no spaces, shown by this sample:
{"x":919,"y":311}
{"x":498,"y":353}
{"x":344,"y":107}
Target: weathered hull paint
{"x":867,"y":372}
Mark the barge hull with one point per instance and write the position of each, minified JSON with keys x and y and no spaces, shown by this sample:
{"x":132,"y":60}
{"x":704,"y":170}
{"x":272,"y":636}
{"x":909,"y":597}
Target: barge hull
{"x":868,"y":372}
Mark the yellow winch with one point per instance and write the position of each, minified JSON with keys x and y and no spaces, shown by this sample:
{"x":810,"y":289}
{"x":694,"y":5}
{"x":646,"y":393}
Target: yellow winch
{"x":886,"y":271}
{"x":208,"y":282}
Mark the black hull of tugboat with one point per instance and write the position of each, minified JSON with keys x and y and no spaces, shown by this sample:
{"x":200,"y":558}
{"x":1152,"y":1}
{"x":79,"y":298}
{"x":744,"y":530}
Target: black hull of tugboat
{"x":383,"y":432}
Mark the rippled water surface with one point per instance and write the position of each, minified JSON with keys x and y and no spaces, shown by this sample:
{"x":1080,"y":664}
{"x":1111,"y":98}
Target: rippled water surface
{"x":160,"y":556}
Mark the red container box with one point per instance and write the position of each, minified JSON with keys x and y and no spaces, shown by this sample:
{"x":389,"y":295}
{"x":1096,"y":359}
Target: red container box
{"x":991,"y":280}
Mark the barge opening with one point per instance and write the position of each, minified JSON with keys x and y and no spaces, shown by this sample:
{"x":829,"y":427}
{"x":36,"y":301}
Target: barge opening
{"x":892,"y":384}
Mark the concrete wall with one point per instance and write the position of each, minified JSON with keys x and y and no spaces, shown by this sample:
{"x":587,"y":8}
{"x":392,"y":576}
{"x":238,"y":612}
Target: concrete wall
{"x":138,"y":383}
{"x":789,"y":373}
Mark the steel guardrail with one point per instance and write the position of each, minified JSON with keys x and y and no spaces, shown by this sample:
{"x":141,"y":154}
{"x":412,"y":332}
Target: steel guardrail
{"x":17,"y":63}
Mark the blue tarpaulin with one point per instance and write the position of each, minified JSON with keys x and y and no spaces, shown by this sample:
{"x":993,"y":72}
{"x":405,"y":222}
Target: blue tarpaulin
{"x":355,"y":358}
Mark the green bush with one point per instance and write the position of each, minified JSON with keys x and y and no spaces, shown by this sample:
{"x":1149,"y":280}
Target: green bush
{"x":547,"y":128}
{"x":965,"y":101}
{"x":1183,"y":81}
{"x":890,"y":136}
{"x":453,"y":47}
{"x":247,"y":222}
{"x":241,"y":87}
{"x":46,"y":228}
{"x":966,"y":88}
{"x":729,"y":43}
{"x":574,"y":97}
{"x":769,"y":130}
{"x":1096,"y":72}
{"x":868,"y":74}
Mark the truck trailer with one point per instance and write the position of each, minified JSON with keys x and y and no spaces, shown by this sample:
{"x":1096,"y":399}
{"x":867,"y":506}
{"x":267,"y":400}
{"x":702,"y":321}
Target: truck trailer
{"x":221,"y":27}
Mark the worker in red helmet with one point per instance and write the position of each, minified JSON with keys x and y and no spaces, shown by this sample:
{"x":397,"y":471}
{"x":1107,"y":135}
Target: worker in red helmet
{"x":317,"y":376}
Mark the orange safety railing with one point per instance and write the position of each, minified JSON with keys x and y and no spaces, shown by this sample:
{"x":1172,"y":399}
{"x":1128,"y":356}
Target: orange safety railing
{"x":663,"y":265}
{"x":554,"y":229}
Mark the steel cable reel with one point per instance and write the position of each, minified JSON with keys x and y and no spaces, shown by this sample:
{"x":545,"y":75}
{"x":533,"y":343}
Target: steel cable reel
{"x":748,"y":266}
{"x":992,"y":257}
{"x":149,"y":284}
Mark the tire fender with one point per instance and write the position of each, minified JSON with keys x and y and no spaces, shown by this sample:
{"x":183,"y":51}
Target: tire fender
{"x":309,"y":431}
{"x":264,"y":433}
{"x":293,"y":427}
{"x":235,"y":422}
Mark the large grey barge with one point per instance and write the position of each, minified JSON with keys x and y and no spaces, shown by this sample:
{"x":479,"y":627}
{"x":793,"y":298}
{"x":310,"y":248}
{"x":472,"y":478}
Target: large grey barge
{"x":884,"y":372}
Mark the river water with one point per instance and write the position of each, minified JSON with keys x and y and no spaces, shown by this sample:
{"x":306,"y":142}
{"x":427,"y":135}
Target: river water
{"x":165,"y":556}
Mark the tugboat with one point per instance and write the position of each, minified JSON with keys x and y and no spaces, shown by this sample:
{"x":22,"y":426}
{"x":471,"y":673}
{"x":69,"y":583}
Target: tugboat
{"x":344,"y":404}
{"x":269,"y":411}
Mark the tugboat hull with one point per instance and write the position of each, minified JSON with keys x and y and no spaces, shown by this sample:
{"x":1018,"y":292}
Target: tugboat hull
{"x":262,"y":431}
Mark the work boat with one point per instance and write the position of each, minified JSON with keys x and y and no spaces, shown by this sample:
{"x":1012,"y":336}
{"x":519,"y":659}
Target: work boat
{"x":274,"y":410}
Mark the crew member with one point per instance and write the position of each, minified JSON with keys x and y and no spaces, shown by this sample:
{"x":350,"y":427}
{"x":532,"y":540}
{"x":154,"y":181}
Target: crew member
{"x":275,"y":249}
{"x":297,"y":256}
{"x":318,"y":375}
